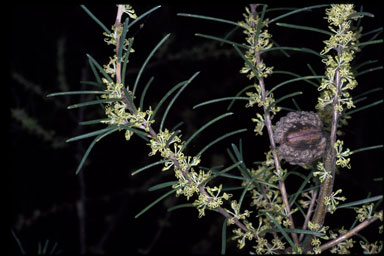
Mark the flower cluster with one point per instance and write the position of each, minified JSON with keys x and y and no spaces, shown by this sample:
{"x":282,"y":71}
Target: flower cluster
{"x":189,"y":181}
{"x":365,"y":212}
{"x":344,"y":246}
{"x":339,"y":76}
{"x":211,"y":200}
{"x":117,"y":112}
{"x":322,"y":172}
{"x":372,"y":248}
{"x":341,"y":156}
{"x":257,"y":39}
{"x":236,"y":213}
{"x":332,"y":201}
{"x":316,"y":240}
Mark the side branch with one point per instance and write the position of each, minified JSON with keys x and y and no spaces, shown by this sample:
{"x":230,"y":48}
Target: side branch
{"x":349,"y":234}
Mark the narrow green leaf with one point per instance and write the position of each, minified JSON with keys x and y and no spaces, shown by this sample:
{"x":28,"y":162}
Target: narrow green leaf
{"x":229,"y":34}
{"x":258,"y":28}
{"x":296,"y":105}
{"x":174,"y":99}
{"x":372,"y":31}
{"x":130,"y":99}
{"x":76,"y":92}
{"x":281,"y":9}
{"x":148,"y":166}
{"x":360,"y":202}
{"x":95,"y":121}
{"x":177,"y":126}
{"x":306,"y":50}
{"x":95,"y":73}
{"x":219,"y":139}
{"x":231,"y":176}
{"x":122,"y":39}
{"x":179,"y":206}
{"x":293,"y":80}
{"x":222,"y":40}
{"x":299,"y":191}
{"x":223,"y":236}
{"x":85,"y":156}
{"x":249,"y":182}
{"x":239,"y":156}
{"x":250,"y":65}
{"x":296,"y":75}
{"x":313,"y":72}
{"x":91,"y":134}
{"x":283,"y":98}
{"x":162,"y":185}
{"x":143,"y":15}
{"x":296,"y":11}
{"x":155,"y":202}
{"x":96,"y":19}
{"x":368,"y":70}
{"x":304,"y":28}
{"x":140,"y":133}
{"x":362,"y":108}
{"x":361,"y":14}
{"x":45,"y":246}
{"x":283,"y":232}
{"x":145,"y":92}
{"x":125,"y":61}
{"x":93,"y":102}
{"x":189,"y":15}
{"x":147,"y":60}
{"x":366,"y":148}
{"x":204,"y":127}
{"x":93,"y":83}
{"x":101,"y":70}
{"x":238,"y":94}
{"x":285,"y":53}
{"x":368,"y":43}
{"x":22,"y":251}
{"x":224,"y":173}
{"x":364,"y":64}
{"x":163,"y":99}
{"x":219,"y":100}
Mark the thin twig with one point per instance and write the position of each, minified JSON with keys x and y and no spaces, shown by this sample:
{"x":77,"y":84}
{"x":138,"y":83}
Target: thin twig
{"x":153,"y":135}
{"x":309,"y":212}
{"x":330,"y":155}
{"x":349,"y":234}
{"x":268,"y":125}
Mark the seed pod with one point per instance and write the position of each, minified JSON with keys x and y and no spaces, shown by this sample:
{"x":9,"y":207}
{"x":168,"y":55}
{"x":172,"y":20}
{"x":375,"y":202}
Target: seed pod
{"x":300,"y":137}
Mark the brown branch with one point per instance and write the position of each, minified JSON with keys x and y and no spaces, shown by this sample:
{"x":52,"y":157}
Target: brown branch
{"x":152,"y":134}
{"x":330,"y":155}
{"x":268,"y":124}
{"x":309,"y":212}
{"x":349,"y":234}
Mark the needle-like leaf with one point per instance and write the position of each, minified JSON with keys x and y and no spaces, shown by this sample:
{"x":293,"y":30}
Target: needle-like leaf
{"x":147,"y":60}
{"x":148,"y":166}
{"x":210,"y":18}
{"x":204,"y":127}
{"x":219,"y":100}
{"x":174,"y":99}
{"x":95,"y":19}
{"x":155,"y":202}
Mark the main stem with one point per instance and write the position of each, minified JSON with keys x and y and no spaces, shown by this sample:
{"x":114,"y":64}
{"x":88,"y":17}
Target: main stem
{"x":330,"y":156}
{"x":153,"y":134}
{"x":268,"y":124}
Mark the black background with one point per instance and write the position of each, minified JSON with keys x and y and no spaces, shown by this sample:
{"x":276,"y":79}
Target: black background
{"x":43,"y":186}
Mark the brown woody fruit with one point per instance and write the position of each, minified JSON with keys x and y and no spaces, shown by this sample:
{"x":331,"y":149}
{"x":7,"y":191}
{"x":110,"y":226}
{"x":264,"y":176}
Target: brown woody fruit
{"x":300,"y":137}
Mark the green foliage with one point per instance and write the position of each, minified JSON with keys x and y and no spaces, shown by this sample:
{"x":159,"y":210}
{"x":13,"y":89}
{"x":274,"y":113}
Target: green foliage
{"x":261,"y":214}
